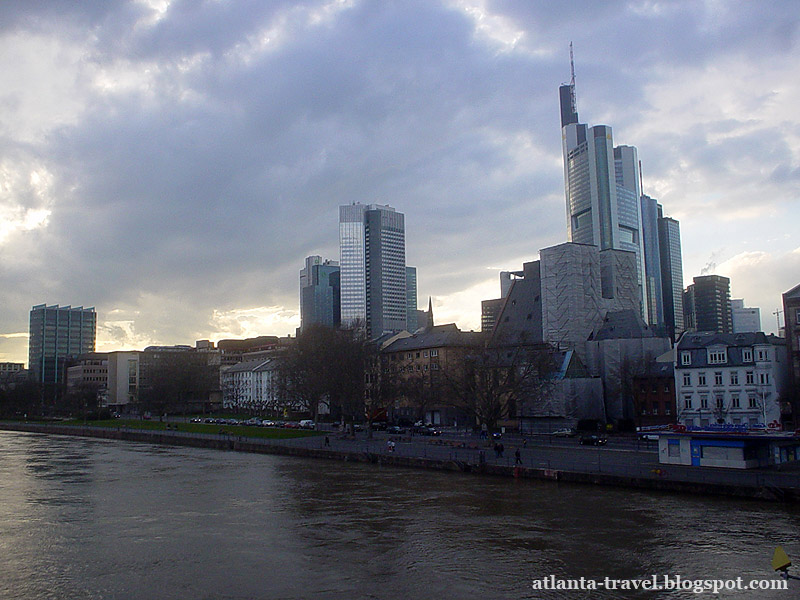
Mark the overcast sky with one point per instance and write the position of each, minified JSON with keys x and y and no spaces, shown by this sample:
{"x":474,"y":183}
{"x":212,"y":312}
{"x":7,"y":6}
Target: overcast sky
{"x":172,"y":163}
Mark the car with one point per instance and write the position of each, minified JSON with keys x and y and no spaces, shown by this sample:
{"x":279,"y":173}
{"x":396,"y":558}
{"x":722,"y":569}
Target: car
{"x":395,"y":429}
{"x":267,"y":423}
{"x":307,"y":424}
{"x":566,"y":432}
{"x":593,"y":440}
{"x":648,"y":436}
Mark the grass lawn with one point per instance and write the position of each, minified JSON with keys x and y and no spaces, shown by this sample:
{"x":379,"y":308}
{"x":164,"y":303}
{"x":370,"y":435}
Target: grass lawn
{"x":243,"y":430}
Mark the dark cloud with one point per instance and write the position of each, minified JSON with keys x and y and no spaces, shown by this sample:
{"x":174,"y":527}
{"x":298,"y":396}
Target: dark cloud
{"x":206,"y":167}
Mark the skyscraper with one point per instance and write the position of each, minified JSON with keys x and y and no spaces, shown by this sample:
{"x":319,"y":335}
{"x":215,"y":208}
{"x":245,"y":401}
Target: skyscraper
{"x":320,"y":301}
{"x":58,"y":333}
{"x":669,"y":246}
{"x":602,"y":186}
{"x":652,"y":260}
{"x":372,"y":263}
{"x":411,"y":299}
{"x":707,"y":304}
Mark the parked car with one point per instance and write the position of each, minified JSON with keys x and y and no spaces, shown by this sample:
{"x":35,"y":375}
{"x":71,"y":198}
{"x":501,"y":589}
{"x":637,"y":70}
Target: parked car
{"x":307,"y":424}
{"x":395,"y":429}
{"x":566,"y":432}
{"x":593,"y":440}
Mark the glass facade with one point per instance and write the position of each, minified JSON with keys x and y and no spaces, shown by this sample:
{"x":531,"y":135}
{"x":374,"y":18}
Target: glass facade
{"x":56,"y":334}
{"x":669,"y":241}
{"x":373,"y":267}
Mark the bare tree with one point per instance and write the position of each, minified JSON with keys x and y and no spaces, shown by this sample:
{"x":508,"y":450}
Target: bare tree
{"x":489,"y":383}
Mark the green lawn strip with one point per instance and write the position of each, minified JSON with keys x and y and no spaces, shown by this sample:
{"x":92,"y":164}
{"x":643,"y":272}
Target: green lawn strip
{"x":242,"y":430}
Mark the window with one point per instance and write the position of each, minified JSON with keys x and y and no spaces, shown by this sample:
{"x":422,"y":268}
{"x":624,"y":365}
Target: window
{"x":734,"y":378}
{"x":735,"y":400}
{"x":701,"y":379}
{"x":717,"y":377}
{"x":426,"y":367}
{"x":686,"y":357}
{"x":719,"y":402}
{"x":434,"y":366}
{"x":409,"y":356}
{"x":667,"y":410}
{"x":762,"y":354}
{"x":703,"y":401}
{"x":687,"y":379}
{"x":718,"y":356}
{"x":417,"y":354}
{"x":747,"y":355}
{"x":687,"y":401}
{"x":425,"y":354}
{"x":655,"y":408}
{"x":749,"y":378}
{"x":763,"y":378}
{"x":751,"y":401}
{"x":434,"y":353}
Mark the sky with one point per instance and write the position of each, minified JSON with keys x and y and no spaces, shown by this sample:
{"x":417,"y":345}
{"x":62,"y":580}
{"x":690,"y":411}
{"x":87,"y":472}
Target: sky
{"x":172,"y":163}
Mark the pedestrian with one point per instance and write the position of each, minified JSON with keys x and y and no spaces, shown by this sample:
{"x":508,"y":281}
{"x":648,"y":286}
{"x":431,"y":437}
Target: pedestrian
{"x":502,"y":449}
{"x":517,"y":457}
{"x":327,"y":442}
{"x":496,"y":450}
{"x":524,"y":442}
{"x":391,"y":445}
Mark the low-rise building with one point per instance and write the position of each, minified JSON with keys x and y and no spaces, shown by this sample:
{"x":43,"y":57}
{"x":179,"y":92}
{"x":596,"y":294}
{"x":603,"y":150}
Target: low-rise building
{"x":736,"y":379}
{"x":253,"y":387}
{"x":654,"y":395}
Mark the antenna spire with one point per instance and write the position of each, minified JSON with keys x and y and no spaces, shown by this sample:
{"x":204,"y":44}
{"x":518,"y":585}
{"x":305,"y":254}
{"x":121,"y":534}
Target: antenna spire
{"x":571,"y":66}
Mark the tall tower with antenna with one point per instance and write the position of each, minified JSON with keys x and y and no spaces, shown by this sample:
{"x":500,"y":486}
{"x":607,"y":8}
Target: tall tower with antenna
{"x":566,"y":93}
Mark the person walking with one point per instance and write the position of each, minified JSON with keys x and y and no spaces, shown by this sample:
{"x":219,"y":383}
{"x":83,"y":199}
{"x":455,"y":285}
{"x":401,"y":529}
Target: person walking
{"x":327,"y":442}
{"x":517,"y":457}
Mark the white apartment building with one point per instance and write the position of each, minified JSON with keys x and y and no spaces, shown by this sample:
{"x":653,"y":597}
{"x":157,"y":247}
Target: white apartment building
{"x":730,"y":379}
{"x":252,"y":386}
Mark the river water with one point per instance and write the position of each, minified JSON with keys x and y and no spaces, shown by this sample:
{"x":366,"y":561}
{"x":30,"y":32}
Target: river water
{"x":86,"y":518}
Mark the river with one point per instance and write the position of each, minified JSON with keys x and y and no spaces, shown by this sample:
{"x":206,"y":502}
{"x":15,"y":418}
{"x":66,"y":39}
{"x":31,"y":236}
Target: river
{"x":87,"y":518}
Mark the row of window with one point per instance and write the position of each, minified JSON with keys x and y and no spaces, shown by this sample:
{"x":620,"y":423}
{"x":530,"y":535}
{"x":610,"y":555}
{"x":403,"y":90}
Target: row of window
{"x":657,"y":409}
{"x":719,"y":402}
{"x":733,"y":378}
{"x":412,"y":368}
{"x":419,"y":353}
{"x":719,"y":356}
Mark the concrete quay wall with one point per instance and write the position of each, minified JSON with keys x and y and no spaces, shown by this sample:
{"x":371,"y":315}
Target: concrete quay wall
{"x":244,"y":444}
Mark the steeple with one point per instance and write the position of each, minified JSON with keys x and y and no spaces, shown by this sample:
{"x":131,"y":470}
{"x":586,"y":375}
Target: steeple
{"x":429,"y":324}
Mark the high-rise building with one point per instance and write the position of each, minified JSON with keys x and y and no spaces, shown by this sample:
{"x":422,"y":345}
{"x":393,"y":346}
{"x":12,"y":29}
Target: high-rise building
{"x":320,"y":301}
{"x":652,"y":260}
{"x":411,"y":299}
{"x":669,"y":247}
{"x":58,"y":334}
{"x":603,"y":186}
{"x":373,"y":268}
{"x":707,"y":304}
{"x":744,"y":319}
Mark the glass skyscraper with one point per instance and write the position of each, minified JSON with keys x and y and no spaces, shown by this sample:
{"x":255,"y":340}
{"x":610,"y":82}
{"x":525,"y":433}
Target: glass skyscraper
{"x":669,"y":244}
{"x":320,"y":301}
{"x":372,"y":262}
{"x":58,"y":333}
{"x":603,"y":186}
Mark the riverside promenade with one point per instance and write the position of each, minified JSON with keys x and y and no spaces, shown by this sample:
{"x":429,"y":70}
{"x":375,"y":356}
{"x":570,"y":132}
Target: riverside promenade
{"x":625,"y":462}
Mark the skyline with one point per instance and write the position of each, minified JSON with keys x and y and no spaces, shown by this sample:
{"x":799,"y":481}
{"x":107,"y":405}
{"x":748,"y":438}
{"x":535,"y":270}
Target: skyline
{"x":174,"y":167}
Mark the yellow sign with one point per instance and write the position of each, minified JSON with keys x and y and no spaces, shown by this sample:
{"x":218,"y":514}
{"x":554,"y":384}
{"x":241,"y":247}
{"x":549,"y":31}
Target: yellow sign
{"x":780,"y":560}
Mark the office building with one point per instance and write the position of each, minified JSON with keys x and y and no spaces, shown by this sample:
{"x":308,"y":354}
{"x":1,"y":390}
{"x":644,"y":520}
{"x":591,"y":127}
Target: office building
{"x":652,"y":260}
{"x":373,"y":268}
{"x":669,"y":247}
{"x":58,"y":334}
{"x":411,"y":299}
{"x":707,"y":304}
{"x":320,"y":301}
{"x":744,"y":319}
{"x":603,"y":187}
